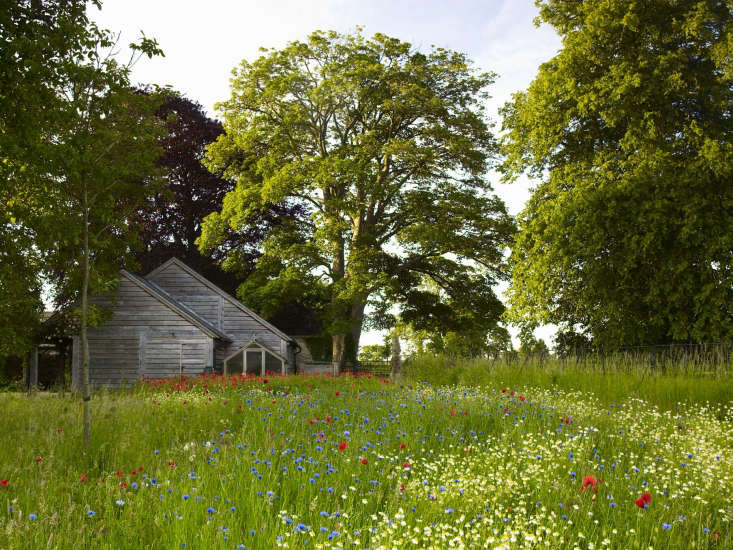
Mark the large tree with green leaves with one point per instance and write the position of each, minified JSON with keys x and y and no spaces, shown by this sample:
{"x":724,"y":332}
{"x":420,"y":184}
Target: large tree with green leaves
{"x":389,"y":147}
{"x":628,"y":238}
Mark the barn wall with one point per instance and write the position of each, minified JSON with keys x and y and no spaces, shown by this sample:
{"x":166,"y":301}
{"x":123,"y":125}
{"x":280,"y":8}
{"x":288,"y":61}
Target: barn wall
{"x":220,"y":311}
{"x":142,"y":337}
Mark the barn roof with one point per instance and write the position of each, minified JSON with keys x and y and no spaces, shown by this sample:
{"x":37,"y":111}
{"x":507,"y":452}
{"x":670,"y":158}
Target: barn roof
{"x":233,"y":301}
{"x":175,"y":304}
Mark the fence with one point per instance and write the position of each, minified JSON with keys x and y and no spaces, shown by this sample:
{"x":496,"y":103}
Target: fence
{"x":708,"y":358}
{"x":374,"y":368}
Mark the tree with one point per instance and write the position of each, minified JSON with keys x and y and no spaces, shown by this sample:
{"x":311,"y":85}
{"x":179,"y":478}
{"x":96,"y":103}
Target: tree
{"x":171,"y":219}
{"x":105,"y":150}
{"x":36,"y":40}
{"x":389,"y":148}
{"x":628,"y":239}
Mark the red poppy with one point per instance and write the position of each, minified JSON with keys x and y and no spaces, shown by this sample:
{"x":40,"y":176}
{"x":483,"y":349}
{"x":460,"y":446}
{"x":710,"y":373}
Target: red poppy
{"x":338,"y":393}
{"x":59,"y":430}
{"x":119,"y":474}
{"x":328,"y":420}
{"x":590,"y":481}
{"x":171,"y":463}
{"x":511,"y":393}
{"x":567,"y":420}
{"x":521,"y":398}
{"x":38,"y":459}
{"x":342,"y":445}
{"x":643,"y":500}
{"x":133,"y":473}
{"x":364,"y":461}
{"x":83,"y":478}
{"x":402,"y":445}
{"x":123,"y":485}
{"x":452,"y":412}
{"x":140,"y":469}
{"x":402,"y":486}
{"x":3,"y":482}
{"x":503,"y":390}
{"x":406,"y":465}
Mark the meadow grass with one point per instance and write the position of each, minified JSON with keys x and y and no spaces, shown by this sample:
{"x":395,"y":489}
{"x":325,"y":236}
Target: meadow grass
{"x":610,"y":383}
{"x":322,"y":462}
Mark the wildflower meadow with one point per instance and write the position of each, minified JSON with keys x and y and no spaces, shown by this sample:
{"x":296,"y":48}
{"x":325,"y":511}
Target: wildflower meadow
{"x":360,"y":462}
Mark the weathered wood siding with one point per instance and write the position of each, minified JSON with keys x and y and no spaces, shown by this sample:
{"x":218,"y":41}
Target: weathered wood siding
{"x":220,"y":310}
{"x":170,"y":355}
{"x":191,"y":292}
{"x":113,"y":361}
{"x":133,"y":307}
{"x":143,"y":337}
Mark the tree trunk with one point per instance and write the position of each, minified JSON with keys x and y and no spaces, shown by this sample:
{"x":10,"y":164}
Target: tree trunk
{"x":396,"y":362}
{"x":357,"y":318}
{"x":337,"y":352}
{"x":338,"y":270}
{"x":84,"y":320}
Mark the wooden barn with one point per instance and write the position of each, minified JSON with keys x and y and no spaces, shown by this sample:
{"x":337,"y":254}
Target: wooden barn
{"x":174,"y":321}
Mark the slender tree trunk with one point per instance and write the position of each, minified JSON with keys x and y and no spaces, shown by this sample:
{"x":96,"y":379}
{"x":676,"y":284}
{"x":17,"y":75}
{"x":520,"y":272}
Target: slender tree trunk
{"x":84,"y":320}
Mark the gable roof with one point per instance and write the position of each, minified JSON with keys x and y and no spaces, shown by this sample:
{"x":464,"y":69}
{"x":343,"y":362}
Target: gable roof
{"x":245,"y":347}
{"x":176,"y":305}
{"x":211,"y":286}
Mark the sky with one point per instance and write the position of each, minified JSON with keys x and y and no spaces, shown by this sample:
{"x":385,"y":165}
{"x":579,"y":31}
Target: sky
{"x":204,"y":41}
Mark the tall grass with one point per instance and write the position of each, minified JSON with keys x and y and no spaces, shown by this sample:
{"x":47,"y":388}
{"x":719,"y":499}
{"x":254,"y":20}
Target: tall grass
{"x":322,"y":462}
{"x":612,"y":382}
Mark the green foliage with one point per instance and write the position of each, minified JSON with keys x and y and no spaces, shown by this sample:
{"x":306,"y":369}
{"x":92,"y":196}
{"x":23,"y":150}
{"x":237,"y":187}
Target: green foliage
{"x":36,"y":40}
{"x":629,"y":237}
{"x":388,"y":148}
{"x":375,"y":352}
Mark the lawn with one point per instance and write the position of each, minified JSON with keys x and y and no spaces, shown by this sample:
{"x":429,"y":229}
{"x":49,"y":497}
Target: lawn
{"x":345,"y":462}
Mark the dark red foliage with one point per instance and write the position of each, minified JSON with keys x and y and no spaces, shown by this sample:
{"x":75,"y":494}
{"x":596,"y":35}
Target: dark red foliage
{"x":171,"y":221}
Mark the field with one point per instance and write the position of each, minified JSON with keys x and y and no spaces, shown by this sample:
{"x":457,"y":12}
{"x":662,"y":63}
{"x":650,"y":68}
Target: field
{"x":321,"y":462}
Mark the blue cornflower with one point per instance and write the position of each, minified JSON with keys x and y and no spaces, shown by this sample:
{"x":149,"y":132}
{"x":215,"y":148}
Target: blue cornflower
{"x":134,"y":485}
{"x":682,"y":518}
{"x":449,"y":510}
{"x":564,"y":516}
{"x":253,"y":532}
{"x":613,"y":505}
{"x":666,"y":526}
{"x":186,"y":497}
{"x":155,"y":452}
{"x":32,"y":516}
{"x":211,"y":510}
